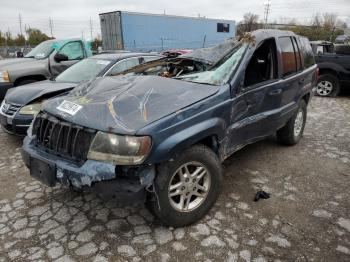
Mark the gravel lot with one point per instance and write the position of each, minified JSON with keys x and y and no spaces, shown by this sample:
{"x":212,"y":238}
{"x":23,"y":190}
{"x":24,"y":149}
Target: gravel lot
{"x":307,"y":217}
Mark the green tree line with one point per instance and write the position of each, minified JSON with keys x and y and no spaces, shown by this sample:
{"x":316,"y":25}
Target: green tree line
{"x":316,"y":33}
{"x":322,"y":27}
{"x":34,"y":37}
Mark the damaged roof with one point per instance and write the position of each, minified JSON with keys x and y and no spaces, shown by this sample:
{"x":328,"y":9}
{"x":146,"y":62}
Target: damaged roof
{"x":214,"y":54}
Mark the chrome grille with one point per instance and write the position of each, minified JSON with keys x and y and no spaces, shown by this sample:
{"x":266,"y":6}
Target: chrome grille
{"x":62,"y":138}
{"x":9,"y":109}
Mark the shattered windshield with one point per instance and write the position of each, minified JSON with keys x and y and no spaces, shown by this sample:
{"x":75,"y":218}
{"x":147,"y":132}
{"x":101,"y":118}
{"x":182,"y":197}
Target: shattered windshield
{"x":220,"y":73}
{"x":84,"y":70}
{"x":41,"y":51}
{"x":211,"y":66}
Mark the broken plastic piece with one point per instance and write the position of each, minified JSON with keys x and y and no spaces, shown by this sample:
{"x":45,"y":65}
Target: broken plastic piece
{"x":261,"y":194}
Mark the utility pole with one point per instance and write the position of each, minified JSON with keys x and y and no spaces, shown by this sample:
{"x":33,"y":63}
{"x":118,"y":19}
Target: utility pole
{"x":91,"y":28}
{"x":20,"y":23}
{"x":25,"y":32}
{"x":82,"y":34}
{"x":267,"y":5}
{"x":50,"y":23}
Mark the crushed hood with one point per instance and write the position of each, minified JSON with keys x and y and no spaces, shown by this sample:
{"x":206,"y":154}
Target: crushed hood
{"x":25,"y":94}
{"x":125,"y":104}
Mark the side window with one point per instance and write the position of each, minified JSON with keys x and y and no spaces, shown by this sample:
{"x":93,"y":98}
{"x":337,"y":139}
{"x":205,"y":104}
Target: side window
{"x":263,"y":64}
{"x":123,"y":65}
{"x":307,"y":52}
{"x":297,"y":54}
{"x":73,"y":50}
{"x":288,"y":56}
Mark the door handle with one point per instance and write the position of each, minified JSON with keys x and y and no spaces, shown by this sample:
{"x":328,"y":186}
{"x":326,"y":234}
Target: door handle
{"x":275,"y":92}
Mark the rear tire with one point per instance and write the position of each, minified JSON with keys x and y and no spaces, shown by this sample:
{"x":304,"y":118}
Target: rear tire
{"x":186,"y":188}
{"x":292,"y":132}
{"x":327,"y":85}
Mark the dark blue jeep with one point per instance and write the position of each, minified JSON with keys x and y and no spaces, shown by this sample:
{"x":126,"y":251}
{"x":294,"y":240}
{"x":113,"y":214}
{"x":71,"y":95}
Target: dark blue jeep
{"x":162,"y":129}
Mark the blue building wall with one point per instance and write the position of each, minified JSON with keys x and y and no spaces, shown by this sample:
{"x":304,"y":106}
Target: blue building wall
{"x":146,"y":32}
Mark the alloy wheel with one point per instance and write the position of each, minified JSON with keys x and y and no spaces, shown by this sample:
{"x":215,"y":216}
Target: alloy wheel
{"x":189,"y":186}
{"x":298,"y":123}
{"x":324,"y":88}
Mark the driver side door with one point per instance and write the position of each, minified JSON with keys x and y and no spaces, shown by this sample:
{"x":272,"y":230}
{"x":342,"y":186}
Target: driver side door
{"x":258,"y":98}
{"x":73,"y":50}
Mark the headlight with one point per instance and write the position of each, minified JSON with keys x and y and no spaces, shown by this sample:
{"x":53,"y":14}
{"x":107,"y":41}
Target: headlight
{"x":31,"y":109}
{"x":4,"y":76}
{"x":119,"y":150}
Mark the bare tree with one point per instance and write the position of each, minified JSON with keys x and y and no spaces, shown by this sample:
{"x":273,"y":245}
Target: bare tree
{"x":249,"y":23}
{"x":329,"y":20}
{"x":317,"y":20}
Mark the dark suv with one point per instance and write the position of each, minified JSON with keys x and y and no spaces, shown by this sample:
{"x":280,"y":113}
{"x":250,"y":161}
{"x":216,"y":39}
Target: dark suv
{"x":162,"y":129}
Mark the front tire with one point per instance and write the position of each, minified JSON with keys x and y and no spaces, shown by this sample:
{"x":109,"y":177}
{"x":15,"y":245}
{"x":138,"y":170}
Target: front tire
{"x":327,"y":85}
{"x":292,"y":132}
{"x":186,"y":188}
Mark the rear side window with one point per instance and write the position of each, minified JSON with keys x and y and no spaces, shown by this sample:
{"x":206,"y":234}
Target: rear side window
{"x":289,"y":64}
{"x":306,"y":51}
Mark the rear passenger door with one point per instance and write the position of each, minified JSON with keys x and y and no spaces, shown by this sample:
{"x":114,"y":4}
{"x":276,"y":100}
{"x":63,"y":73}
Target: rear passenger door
{"x":292,"y":77}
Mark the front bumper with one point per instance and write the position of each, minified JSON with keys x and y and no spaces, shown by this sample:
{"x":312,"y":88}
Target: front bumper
{"x":4,"y":86}
{"x":107,"y":179}
{"x":17,"y":124}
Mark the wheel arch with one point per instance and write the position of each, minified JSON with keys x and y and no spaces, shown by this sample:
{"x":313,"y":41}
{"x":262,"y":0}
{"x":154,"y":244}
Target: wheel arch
{"x":306,"y":97}
{"x":208,"y":133}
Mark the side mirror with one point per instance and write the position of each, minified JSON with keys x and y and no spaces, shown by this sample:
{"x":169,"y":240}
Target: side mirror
{"x":60,"y":57}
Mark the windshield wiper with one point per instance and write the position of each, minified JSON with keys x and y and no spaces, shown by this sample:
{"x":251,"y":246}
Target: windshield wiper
{"x":29,"y":56}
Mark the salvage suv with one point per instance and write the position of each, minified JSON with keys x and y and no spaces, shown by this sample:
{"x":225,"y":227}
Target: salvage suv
{"x":162,"y":129}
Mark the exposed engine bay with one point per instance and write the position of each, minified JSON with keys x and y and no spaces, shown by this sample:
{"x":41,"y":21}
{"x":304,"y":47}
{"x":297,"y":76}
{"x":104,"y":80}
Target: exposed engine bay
{"x":169,"y":67}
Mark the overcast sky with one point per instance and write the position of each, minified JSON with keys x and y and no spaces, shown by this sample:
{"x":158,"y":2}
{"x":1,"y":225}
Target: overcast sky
{"x":71,"y":17}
